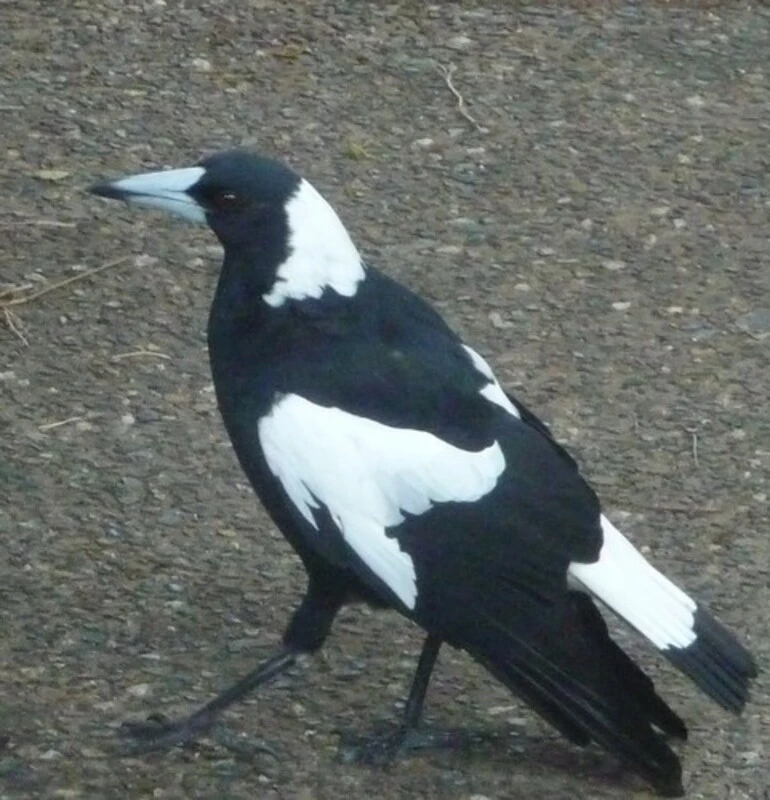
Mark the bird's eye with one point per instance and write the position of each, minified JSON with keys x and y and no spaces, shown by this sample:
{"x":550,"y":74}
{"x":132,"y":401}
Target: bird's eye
{"x":226,"y":201}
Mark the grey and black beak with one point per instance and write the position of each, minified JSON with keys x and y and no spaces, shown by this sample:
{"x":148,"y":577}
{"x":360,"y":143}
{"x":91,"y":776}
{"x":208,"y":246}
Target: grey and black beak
{"x":168,"y":190}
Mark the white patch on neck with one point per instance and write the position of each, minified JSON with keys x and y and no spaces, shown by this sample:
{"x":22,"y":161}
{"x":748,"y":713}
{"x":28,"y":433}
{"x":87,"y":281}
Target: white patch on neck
{"x":321,"y":253}
{"x":369,"y":476}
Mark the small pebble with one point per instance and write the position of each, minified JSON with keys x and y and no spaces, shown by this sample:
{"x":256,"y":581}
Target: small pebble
{"x":756,"y":323}
{"x":459,"y":42}
{"x":496,"y":318}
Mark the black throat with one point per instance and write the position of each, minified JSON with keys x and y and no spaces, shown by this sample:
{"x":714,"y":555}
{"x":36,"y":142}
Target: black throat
{"x":258,"y":350}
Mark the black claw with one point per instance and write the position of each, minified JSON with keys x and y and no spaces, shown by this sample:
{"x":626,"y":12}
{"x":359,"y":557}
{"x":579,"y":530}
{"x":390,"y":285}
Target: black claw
{"x":156,"y":733}
{"x":158,"y":718}
{"x":374,"y":751}
{"x":159,"y":733}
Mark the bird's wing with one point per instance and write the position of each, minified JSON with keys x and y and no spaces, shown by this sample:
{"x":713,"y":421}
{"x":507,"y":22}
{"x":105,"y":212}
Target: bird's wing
{"x":406,"y":425}
{"x":367,"y":478}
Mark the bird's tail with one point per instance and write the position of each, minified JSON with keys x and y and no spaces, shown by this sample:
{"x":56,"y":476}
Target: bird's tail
{"x":683,"y":631}
{"x":571,"y":672}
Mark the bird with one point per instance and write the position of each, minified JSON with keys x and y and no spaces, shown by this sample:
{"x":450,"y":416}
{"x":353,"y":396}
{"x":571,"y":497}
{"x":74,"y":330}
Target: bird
{"x":405,"y":477}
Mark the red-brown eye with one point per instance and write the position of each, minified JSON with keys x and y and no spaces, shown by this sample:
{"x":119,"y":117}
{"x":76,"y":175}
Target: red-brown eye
{"x":226,"y":201}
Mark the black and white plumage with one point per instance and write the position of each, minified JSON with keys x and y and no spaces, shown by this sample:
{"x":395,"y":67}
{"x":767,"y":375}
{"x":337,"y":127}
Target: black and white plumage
{"x":390,"y":457}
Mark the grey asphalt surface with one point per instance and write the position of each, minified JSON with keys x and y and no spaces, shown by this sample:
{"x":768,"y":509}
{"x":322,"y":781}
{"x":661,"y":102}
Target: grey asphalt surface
{"x":594,"y":218}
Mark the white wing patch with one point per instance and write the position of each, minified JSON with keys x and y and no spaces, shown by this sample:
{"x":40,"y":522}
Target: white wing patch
{"x":321,"y":253}
{"x":624,"y":580}
{"x":492,"y":391}
{"x":369,"y":475}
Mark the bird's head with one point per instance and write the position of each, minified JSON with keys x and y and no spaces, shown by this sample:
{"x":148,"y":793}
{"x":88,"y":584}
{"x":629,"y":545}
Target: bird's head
{"x":232,"y":191}
{"x":262,"y":212}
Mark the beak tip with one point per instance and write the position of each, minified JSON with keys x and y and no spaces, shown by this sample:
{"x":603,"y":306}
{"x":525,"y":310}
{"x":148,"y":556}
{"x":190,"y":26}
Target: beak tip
{"x":166,"y":190}
{"x":108,"y":190}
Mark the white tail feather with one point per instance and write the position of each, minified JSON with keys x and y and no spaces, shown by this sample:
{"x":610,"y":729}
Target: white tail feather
{"x":624,"y":580}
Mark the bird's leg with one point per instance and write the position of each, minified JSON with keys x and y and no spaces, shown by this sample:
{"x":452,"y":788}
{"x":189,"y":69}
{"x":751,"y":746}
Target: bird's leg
{"x":306,"y":633}
{"x":416,"y":699}
{"x":158,"y":733}
{"x":407,"y":737}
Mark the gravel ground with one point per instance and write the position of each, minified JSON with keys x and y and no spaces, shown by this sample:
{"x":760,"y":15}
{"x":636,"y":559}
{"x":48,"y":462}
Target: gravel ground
{"x":593,"y":217}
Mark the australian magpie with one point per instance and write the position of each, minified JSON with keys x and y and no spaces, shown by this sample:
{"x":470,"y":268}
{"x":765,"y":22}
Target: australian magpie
{"x":404,"y":476}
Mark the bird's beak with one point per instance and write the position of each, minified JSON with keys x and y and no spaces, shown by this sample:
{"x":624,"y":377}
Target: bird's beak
{"x":168,"y":190}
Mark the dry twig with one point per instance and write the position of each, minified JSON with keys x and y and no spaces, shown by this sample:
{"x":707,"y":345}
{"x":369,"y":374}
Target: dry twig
{"x":138,"y":353}
{"x":13,"y":295}
{"x":14,"y":325}
{"x":8,"y":289}
{"x":49,"y":426}
{"x":17,"y":301}
{"x":447,"y":73}
{"x":39,"y":223}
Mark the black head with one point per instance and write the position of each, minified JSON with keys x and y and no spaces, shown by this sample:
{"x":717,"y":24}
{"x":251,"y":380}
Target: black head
{"x":272,"y":223}
{"x":242,"y":193}
{"x":234,"y":191}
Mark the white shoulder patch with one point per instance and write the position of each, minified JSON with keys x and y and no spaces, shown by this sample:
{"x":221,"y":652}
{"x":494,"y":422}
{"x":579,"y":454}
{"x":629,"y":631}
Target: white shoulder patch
{"x":321,"y":253}
{"x":492,"y":391}
{"x":369,"y":475}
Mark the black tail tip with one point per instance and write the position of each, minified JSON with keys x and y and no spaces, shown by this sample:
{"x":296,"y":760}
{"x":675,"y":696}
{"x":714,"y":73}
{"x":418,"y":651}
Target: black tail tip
{"x":718,"y":663}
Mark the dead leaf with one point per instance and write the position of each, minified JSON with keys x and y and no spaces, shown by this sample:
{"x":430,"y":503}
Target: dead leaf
{"x":291,"y":51}
{"x":52,"y":175}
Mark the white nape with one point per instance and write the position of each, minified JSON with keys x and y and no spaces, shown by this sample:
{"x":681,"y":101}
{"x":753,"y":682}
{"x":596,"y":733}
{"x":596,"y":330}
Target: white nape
{"x":321,"y":253}
{"x":492,"y":391}
{"x":624,"y":580}
{"x":166,"y":190}
{"x":368,"y":475}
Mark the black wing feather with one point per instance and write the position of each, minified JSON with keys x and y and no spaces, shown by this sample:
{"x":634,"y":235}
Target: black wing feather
{"x":561,"y":660}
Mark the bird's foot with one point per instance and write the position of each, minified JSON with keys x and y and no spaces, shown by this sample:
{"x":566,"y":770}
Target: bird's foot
{"x":158,"y":733}
{"x":382,"y":749}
